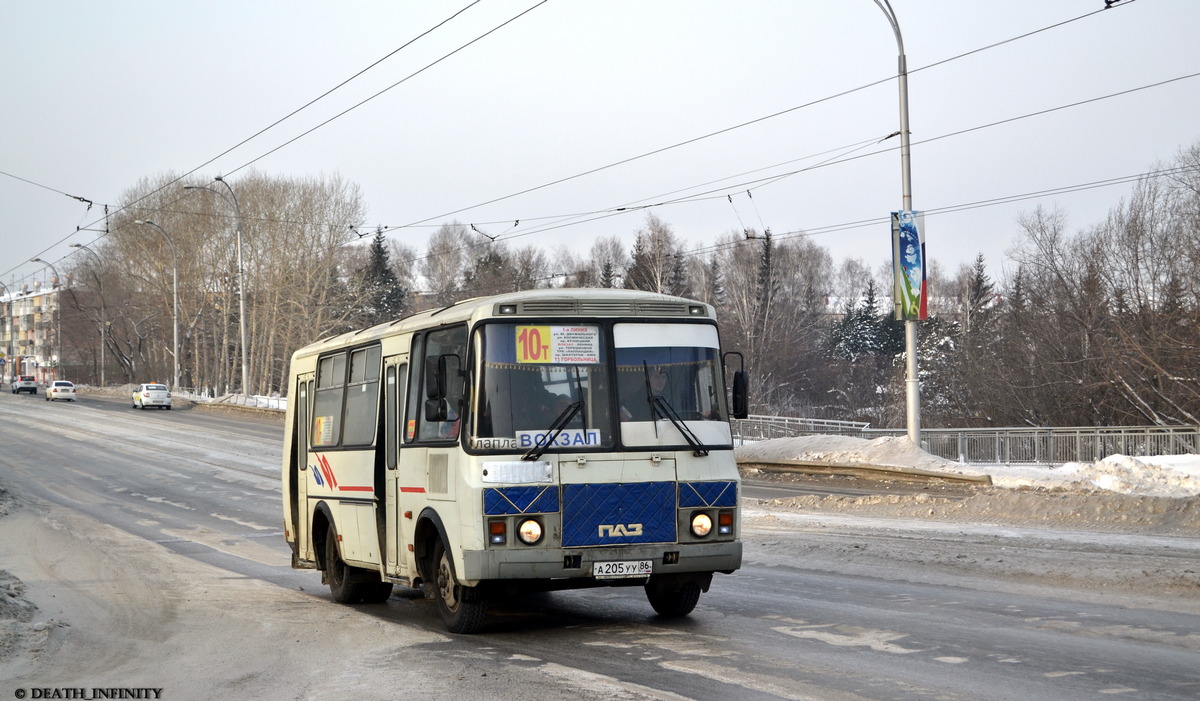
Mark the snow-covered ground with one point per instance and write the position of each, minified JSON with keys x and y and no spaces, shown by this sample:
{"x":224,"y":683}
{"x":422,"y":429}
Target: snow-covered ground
{"x":1171,"y":476}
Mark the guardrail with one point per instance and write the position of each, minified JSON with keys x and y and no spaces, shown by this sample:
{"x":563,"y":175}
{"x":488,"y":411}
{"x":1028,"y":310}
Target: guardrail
{"x":758,"y":428}
{"x":254,"y":400}
{"x":999,"y":446}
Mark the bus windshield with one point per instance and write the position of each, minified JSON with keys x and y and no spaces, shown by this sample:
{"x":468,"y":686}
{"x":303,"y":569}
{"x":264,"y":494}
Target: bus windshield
{"x":531,"y":375}
{"x":669,"y":373}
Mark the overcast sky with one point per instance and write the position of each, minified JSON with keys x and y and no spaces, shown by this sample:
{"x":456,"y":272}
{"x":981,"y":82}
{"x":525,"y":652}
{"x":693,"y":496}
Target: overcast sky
{"x":98,"y":95}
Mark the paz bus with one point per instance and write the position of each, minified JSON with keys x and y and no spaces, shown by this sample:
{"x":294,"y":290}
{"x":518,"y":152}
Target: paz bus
{"x":532,"y":441}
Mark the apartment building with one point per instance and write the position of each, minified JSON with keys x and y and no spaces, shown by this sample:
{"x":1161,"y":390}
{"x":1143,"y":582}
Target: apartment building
{"x":31,"y":341}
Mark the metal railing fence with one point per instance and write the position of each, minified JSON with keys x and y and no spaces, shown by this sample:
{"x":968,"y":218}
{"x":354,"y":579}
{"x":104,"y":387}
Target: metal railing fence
{"x":759,"y":428}
{"x":999,"y":446}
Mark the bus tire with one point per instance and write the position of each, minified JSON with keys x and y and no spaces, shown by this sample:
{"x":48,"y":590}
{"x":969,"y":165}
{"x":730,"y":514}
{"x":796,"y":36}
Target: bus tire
{"x":339,"y":575}
{"x":462,"y":608}
{"x":671,"y":597}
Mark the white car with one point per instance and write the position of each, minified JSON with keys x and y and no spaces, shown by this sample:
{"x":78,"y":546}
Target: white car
{"x":24,"y":383}
{"x":151,"y":394}
{"x":61,"y":389}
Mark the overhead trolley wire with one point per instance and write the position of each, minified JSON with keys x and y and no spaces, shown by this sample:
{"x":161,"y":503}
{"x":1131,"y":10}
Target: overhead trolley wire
{"x":578,"y":175}
{"x":261,"y":131}
{"x":412,"y":75}
{"x":741,"y":125}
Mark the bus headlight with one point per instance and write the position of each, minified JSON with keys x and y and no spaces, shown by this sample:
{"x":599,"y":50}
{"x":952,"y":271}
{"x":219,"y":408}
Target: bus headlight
{"x":701,"y":524}
{"x":530,"y":531}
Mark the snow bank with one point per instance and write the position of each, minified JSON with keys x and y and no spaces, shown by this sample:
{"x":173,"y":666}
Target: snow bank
{"x":1175,"y":476}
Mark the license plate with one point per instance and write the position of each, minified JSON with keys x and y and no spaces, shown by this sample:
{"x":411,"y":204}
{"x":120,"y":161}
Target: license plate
{"x":622,"y":569}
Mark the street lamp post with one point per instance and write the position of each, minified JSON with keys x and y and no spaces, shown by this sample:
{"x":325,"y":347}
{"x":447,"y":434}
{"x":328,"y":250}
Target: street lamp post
{"x":174,"y":294}
{"x":237,"y":210}
{"x":912,"y":384}
{"x":103,"y":310}
{"x":58,"y":312}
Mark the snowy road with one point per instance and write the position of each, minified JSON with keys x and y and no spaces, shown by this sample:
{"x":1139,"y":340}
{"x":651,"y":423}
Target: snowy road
{"x":149,"y":543}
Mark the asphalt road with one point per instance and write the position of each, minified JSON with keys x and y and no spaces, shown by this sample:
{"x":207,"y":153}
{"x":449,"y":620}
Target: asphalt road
{"x":204,"y":485}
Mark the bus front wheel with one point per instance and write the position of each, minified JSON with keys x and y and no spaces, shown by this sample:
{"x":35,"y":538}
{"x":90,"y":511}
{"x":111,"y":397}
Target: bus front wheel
{"x":672,"y":597}
{"x":462,"y":608}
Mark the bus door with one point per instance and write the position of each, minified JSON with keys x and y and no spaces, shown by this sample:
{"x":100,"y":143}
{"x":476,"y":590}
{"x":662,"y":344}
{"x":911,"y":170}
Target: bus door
{"x":304,"y":384}
{"x":427,"y":471}
{"x":398,"y":528}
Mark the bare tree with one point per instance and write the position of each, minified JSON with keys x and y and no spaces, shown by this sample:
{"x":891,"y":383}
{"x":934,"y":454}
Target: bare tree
{"x":656,"y":258}
{"x":445,"y":263}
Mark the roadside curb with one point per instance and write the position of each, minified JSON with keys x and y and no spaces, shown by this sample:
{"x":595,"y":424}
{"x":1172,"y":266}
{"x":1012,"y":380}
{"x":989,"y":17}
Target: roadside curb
{"x":879,"y":472}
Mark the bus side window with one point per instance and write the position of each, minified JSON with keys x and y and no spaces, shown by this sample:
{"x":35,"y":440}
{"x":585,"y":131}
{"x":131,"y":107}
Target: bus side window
{"x":362,"y":397}
{"x":327,"y":405}
{"x":396,"y":380}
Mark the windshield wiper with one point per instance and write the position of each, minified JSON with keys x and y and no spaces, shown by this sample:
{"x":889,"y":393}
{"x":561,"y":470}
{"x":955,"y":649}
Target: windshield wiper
{"x":556,"y":428}
{"x":660,"y":406}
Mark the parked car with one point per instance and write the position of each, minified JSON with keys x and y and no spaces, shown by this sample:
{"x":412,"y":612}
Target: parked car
{"x":24,"y":383}
{"x":151,"y":394}
{"x":61,"y":389}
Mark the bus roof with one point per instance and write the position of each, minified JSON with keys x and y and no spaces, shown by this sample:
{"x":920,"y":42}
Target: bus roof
{"x":558,"y":302}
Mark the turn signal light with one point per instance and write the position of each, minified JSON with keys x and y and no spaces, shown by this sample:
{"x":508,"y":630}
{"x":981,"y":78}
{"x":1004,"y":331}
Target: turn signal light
{"x":498,"y":532}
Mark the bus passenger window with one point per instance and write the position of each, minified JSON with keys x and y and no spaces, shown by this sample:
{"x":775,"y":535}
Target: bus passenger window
{"x":362,"y":397}
{"x":327,"y":405}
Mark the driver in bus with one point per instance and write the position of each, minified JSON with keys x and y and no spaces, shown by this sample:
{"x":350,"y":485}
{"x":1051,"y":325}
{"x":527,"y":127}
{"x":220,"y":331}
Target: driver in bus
{"x":635,"y":405}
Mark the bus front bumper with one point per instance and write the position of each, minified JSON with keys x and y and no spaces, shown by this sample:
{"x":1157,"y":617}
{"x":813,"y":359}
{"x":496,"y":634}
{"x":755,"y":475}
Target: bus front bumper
{"x":558,"y":563}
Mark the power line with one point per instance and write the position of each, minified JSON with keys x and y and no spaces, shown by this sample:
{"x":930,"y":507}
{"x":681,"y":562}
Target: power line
{"x":325,"y":94}
{"x":751,"y":122}
{"x":390,"y":87}
{"x":663,"y":199}
{"x":978,"y":204}
{"x":594,"y":170}
{"x":261,"y":131}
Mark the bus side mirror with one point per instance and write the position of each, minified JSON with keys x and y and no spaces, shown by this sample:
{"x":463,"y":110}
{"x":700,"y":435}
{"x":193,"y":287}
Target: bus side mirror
{"x":741,"y":393}
{"x":437,"y":410}
{"x":740,"y":408}
{"x":438,"y":371}
{"x":435,"y":379}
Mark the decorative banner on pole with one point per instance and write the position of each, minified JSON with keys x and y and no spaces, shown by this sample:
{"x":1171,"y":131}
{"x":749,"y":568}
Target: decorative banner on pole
{"x":908,"y":266}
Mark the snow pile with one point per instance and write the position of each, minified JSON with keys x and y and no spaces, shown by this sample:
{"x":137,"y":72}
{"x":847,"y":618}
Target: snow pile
{"x":846,"y":450}
{"x":1175,"y":476}
{"x":1158,"y":476}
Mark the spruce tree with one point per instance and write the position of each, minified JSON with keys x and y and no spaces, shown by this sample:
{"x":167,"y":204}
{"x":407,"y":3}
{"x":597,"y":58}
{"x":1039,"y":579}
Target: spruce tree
{"x":383,"y":297}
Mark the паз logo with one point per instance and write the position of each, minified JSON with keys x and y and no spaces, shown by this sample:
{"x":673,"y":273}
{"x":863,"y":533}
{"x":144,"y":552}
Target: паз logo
{"x":619,"y":529}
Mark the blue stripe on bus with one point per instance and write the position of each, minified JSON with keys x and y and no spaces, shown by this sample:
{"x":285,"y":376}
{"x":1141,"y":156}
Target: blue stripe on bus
{"x":700,"y":494}
{"x":502,"y":501}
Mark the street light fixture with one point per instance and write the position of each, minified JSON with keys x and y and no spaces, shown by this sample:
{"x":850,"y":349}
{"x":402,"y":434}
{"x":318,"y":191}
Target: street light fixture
{"x":58,"y":309}
{"x":240,"y":271}
{"x":174,"y":294}
{"x":103,"y":310}
{"x":912,"y":384}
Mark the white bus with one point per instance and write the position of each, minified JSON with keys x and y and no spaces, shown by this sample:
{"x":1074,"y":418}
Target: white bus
{"x":539,"y":440}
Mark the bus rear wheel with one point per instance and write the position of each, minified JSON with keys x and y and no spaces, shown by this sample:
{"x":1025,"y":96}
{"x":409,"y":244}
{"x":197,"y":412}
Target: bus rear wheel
{"x":672,"y":597}
{"x":462,"y":608}
{"x":339,"y":575}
